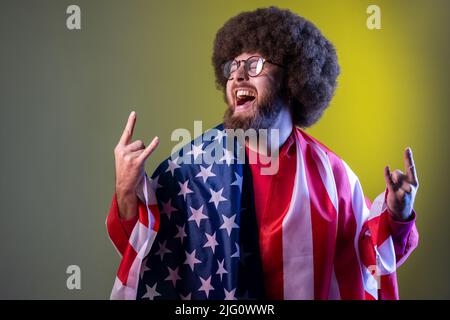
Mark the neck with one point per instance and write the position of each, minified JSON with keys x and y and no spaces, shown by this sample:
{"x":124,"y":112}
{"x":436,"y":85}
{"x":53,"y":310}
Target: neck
{"x":284,"y":124}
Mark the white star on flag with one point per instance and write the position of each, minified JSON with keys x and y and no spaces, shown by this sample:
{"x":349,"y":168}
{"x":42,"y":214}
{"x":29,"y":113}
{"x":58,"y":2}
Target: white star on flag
{"x":220,"y":135}
{"x":237,"y":253}
{"x":181,"y":233}
{"x":186,"y":297}
{"x":172,"y":165}
{"x":238,"y":181}
{"x":143,"y":268}
{"x":173,"y":276}
{"x":216,"y":197}
{"x":154,"y":183}
{"x":191,"y":260}
{"x":221,"y":270}
{"x":162,"y":249}
{"x":167,"y":208}
{"x":229,"y":295}
{"x":151,"y":292}
{"x":228,"y":157}
{"x":184,"y":189}
{"x":229,"y":224}
{"x":197,"y":215}
{"x":206,"y":286}
{"x":212,"y":242}
{"x":205,"y":173}
{"x":196,"y":150}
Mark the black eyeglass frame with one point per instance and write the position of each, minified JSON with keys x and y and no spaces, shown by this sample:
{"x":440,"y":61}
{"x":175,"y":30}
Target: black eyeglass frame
{"x":246,"y":66}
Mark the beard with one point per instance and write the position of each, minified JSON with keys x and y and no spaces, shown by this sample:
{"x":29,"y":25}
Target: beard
{"x":261,"y":116}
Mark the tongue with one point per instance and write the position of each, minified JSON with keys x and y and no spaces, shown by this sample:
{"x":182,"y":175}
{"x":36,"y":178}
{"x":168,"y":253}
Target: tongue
{"x":244,"y":99}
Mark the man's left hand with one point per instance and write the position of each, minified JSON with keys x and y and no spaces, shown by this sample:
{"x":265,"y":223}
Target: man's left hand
{"x":402,"y":188}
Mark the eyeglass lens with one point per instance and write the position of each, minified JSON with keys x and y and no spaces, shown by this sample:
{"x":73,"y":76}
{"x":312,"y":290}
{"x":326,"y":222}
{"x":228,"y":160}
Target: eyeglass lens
{"x":253,"y":66}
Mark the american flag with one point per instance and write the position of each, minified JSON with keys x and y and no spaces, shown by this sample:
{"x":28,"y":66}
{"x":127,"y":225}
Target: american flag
{"x":197,"y":237}
{"x":206,"y":244}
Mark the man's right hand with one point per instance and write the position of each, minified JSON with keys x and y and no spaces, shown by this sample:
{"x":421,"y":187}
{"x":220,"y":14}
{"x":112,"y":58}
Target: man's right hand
{"x":130,"y":159}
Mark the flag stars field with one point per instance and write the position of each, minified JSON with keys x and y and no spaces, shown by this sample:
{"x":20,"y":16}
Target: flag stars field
{"x":228,"y":157}
{"x":206,"y":286}
{"x":181,"y":234}
{"x":197,"y":215}
{"x":184,"y":189}
{"x":191,"y":260}
{"x":163,"y":250}
{"x":229,"y":295}
{"x":167,"y":208}
{"x":144,"y":268}
{"x":212,"y":242}
{"x":221,"y":270}
{"x":205,"y":173}
{"x":196,"y":151}
{"x":173,"y":276}
{"x":216,"y":197}
{"x":172,"y":165}
{"x":229,"y":224}
{"x":238,"y":181}
{"x":151,"y":292}
{"x":154,"y":183}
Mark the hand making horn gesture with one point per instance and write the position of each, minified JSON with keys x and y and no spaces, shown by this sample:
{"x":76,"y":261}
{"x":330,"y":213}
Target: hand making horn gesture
{"x":130,"y":159}
{"x":402,"y":188}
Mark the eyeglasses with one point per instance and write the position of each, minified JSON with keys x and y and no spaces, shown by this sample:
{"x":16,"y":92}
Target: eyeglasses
{"x":253,"y":66}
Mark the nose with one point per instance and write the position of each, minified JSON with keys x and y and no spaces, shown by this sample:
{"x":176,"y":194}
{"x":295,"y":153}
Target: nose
{"x":241,"y":73}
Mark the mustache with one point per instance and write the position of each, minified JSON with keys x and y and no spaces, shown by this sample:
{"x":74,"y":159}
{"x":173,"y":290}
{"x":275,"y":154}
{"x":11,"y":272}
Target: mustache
{"x":242,"y":86}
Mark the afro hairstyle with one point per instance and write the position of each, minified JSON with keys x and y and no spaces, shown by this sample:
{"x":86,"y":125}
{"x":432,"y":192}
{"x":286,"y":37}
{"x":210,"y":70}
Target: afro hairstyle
{"x":308,"y":58}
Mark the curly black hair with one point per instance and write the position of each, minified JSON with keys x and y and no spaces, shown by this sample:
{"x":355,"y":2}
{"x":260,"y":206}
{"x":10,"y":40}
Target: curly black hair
{"x":280,"y":35}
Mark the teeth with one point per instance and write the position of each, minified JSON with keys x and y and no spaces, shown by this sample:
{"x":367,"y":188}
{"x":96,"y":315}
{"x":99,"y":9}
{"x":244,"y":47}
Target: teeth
{"x":241,"y":93}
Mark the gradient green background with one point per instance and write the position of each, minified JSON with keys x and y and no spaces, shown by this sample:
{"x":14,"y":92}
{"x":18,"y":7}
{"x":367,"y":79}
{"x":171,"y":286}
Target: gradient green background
{"x":65,"y":96}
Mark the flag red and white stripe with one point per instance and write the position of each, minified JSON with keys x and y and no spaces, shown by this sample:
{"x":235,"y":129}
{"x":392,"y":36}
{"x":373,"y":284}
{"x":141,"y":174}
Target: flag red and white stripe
{"x":133,"y":249}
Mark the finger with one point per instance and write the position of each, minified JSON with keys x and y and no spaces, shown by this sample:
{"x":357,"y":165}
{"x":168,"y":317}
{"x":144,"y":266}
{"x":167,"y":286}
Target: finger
{"x":137,"y":145}
{"x":136,"y":154}
{"x":406,"y":187}
{"x":128,"y":131}
{"x":398,"y":176}
{"x":388,"y":178}
{"x":400,"y":194}
{"x":150,"y":148}
{"x":410,"y":167}
{"x":401,"y":181}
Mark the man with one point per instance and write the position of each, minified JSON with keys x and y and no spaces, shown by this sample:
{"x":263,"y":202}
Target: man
{"x":228,"y":231}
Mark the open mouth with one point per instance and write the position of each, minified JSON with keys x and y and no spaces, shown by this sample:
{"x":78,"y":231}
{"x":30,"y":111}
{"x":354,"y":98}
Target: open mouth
{"x":244,"y":99}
